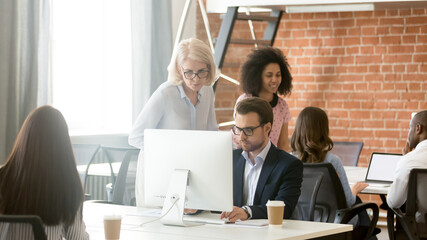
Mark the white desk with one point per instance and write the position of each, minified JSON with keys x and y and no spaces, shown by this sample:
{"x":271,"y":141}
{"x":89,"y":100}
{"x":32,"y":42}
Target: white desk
{"x":358,"y":174}
{"x":132,"y":217}
{"x":100,"y":169}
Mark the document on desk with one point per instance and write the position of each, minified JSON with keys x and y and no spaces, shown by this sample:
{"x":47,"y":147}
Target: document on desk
{"x":252,"y":223}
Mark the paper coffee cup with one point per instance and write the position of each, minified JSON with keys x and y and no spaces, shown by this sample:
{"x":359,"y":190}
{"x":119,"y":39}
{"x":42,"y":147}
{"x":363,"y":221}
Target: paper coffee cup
{"x":275,"y":210}
{"x":112,"y":224}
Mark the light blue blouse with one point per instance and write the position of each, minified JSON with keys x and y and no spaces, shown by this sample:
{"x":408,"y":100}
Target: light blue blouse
{"x":337,"y":164}
{"x":170,"y":108}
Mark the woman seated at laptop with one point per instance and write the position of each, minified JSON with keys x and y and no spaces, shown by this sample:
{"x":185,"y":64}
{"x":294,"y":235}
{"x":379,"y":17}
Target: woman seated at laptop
{"x":311,"y":143}
{"x":40,"y":178}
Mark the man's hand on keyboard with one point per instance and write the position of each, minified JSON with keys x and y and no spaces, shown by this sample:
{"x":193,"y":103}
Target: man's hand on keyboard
{"x":236,"y":214}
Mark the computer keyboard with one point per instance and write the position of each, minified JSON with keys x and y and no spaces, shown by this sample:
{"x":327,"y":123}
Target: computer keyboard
{"x":205,"y":217}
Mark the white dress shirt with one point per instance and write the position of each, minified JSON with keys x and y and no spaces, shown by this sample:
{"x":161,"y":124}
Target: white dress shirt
{"x":252,"y":172}
{"x":170,"y":108}
{"x":399,"y":188}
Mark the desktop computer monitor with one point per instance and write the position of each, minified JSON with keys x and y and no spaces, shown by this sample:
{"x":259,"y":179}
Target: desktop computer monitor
{"x":206,"y":156}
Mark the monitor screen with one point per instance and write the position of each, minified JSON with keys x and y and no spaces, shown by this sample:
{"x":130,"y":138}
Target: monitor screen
{"x":206,"y":154}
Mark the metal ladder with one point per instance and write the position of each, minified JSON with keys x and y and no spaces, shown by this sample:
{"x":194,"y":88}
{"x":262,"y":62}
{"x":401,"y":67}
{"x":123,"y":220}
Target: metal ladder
{"x":227,"y":25}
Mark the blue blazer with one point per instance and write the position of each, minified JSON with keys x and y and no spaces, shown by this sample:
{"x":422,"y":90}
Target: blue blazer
{"x":280,"y":179}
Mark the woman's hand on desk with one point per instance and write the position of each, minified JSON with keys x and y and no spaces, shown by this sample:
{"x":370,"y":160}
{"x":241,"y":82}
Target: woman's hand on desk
{"x":236,"y":214}
{"x":358,"y":187}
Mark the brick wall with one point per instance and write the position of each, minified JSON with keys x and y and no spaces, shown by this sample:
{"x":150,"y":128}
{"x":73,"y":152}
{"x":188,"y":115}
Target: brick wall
{"x":368,"y":70}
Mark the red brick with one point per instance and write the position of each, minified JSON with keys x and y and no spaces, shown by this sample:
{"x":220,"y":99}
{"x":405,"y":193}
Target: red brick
{"x":354,"y":31}
{"x":352,"y":50}
{"x":391,"y":40}
{"x":381,"y":105}
{"x":329,"y":70}
{"x":370,"y":40}
{"x":296,"y":25}
{"x":319,"y":15}
{"x":416,"y":20}
{"x":346,"y":60}
{"x":418,"y":11}
{"x":392,"y":21}
{"x":404,"y":12}
{"x":414,"y":96}
{"x":374,"y":77}
{"x":386,"y":68}
{"x":374,"y":68}
{"x":409,"y":39}
{"x":414,"y":77}
{"x":326,"y":33}
{"x":316,"y":42}
{"x":336,"y":96}
{"x":316,"y":70}
{"x":319,"y":24}
{"x":324,"y":51}
{"x":412,"y":29}
{"x":366,"y":50}
{"x":334,"y":104}
{"x":366,"y":22}
{"x":364,"y":96}
{"x":340,"y":32}
{"x":368,"y":31}
{"x":338,"y":23}
{"x":351,"y":41}
{"x":298,"y":33}
{"x":412,"y":67}
{"x":394,"y":105}
{"x":397,"y":30}
{"x":338,"y":114}
{"x":324,"y":60}
{"x":390,"y":143}
{"x":399,"y":68}
{"x":361,"y":133}
{"x":332,"y":41}
{"x":422,"y":58}
{"x":326,"y":78}
{"x":364,"y":14}
{"x":392,"y":12}
{"x":383,"y":30}
{"x":338,"y":51}
{"x":379,"y":13}
{"x":380,"y":50}
{"x":296,"y":43}
{"x":368,"y":59}
{"x":374,"y":124}
{"x":356,"y":124}
{"x":387,"y":133}
{"x":387,"y":95}
{"x":304,"y":78}
{"x":397,"y":58}
{"x":374,"y":86}
{"x":393,"y":77}
{"x":400,"y":49}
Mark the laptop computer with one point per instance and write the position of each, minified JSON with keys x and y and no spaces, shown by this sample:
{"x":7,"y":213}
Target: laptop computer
{"x":381,"y":168}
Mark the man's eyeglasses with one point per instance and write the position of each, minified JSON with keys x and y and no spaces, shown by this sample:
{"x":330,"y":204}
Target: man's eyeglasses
{"x":248,"y":131}
{"x":190,"y":75}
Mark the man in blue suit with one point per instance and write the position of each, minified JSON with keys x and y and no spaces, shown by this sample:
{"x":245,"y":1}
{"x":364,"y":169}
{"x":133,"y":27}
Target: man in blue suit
{"x":261,"y":171}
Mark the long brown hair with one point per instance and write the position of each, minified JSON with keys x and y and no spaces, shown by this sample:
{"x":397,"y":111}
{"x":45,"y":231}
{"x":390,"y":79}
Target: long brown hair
{"x":40,"y":175}
{"x":310,"y":140}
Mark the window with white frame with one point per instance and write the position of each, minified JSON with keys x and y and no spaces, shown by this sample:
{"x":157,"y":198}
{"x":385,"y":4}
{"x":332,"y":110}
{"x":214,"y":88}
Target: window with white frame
{"x":91,"y":65}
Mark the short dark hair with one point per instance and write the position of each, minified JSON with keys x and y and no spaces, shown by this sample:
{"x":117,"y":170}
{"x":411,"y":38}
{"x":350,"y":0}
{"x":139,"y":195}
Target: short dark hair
{"x":421,"y":118}
{"x":251,"y":71}
{"x":258,"y":106}
{"x":310,"y":140}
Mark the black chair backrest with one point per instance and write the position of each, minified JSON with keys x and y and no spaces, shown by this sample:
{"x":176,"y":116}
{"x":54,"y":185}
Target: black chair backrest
{"x":34,"y":221}
{"x":417,"y":194}
{"x":348,"y":152}
{"x":330,"y":196}
{"x":124,"y":187}
{"x":115,"y":155}
{"x":306,"y":201}
{"x":84,"y":155}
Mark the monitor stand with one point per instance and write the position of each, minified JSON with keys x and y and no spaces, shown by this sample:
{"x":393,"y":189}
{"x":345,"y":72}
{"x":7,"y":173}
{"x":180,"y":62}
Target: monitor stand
{"x":175,"y":200}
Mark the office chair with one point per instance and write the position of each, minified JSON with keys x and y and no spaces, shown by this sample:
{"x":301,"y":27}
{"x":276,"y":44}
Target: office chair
{"x":348,"y":152}
{"x":309,"y":190}
{"x":34,"y":221}
{"x":124,"y":187}
{"x":406,"y":224}
{"x":84,"y":155}
{"x":330,"y":203}
{"x":115,"y":155}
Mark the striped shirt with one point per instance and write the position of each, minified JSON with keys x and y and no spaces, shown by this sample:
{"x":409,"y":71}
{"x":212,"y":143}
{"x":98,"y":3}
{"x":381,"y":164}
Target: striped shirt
{"x":23,"y":231}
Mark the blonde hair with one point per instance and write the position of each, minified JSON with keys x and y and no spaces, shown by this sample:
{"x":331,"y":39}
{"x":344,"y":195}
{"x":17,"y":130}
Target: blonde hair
{"x":195,"y":50}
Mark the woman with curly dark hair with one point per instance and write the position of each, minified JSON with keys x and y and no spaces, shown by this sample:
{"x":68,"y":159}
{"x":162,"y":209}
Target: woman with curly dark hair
{"x":266,"y":74}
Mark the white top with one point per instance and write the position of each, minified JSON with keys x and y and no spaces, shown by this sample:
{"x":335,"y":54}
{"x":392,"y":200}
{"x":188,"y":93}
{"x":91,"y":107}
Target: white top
{"x":170,"y":108}
{"x":252,"y":172}
{"x":399,"y":188}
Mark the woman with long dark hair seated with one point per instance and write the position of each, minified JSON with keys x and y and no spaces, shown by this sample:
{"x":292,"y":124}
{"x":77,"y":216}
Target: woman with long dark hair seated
{"x":40,"y":178}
